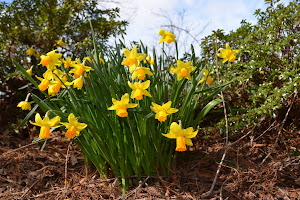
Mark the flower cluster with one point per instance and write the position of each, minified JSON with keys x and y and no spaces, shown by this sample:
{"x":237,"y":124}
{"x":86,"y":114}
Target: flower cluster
{"x":54,"y":79}
{"x":139,"y":89}
{"x":73,"y":126}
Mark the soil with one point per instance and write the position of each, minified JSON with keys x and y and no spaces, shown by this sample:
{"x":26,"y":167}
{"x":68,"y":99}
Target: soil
{"x":26,"y":172}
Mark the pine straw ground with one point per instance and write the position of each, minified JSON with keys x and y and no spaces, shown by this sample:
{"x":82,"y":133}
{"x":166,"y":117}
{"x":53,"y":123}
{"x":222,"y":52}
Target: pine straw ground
{"x":28,"y":173}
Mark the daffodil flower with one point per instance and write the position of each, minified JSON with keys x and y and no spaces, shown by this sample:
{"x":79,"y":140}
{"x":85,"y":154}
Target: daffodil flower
{"x":183,"y":70}
{"x":68,"y":62}
{"x":24,"y":105}
{"x":54,"y":87}
{"x":30,"y":51}
{"x":206,"y":77}
{"x":141,"y":72}
{"x":149,"y":60}
{"x":139,"y":89}
{"x":60,"y":77}
{"x":227,"y":54}
{"x":45,"y":125}
{"x":162,"y":111}
{"x":51,"y":60}
{"x":133,"y":58}
{"x":166,"y":37}
{"x":45,"y":81}
{"x":74,"y":127}
{"x":182,"y":136}
{"x":121,"y":106}
{"x":78,"y":83}
{"x":90,"y":60}
{"x":29,"y":71}
{"x":80,"y":69}
{"x":60,"y":43}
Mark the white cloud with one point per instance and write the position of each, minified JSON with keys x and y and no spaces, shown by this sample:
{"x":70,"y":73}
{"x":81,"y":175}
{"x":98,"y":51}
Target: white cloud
{"x":145,"y":17}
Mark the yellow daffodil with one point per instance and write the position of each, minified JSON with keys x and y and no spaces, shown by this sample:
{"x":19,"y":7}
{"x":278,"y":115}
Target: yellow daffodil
{"x":60,"y":43}
{"x":45,"y":81}
{"x":227,"y":54}
{"x":78,"y":83}
{"x":163,"y":111}
{"x":90,"y":60}
{"x":45,"y":125}
{"x":166,"y":37}
{"x":149,"y":60}
{"x":68,"y":62}
{"x":29,"y":71}
{"x":206,"y":77}
{"x":51,"y":59}
{"x":141,"y":72}
{"x":139,"y":89}
{"x":30,"y":51}
{"x":24,"y":105}
{"x":101,"y":61}
{"x":182,"y":136}
{"x":121,"y":106}
{"x":133,"y":58}
{"x":61,"y":77}
{"x":79,"y":69}
{"x":74,"y":127}
{"x":54,"y":87}
{"x":183,"y":70}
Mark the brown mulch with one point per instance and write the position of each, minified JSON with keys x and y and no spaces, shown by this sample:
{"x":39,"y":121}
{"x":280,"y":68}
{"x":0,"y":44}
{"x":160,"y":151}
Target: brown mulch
{"x":29,"y":173}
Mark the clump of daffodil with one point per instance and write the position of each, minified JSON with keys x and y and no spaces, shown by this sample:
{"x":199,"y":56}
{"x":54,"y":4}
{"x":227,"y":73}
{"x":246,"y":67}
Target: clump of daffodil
{"x":79,"y":69}
{"x":68,"y":62}
{"x":45,"y":124}
{"x":149,"y":60}
{"x":133,"y":58}
{"x":141,"y":72}
{"x":78,"y":83}
{"x":60,"y":43}
{"x":29,"y":71}
{"x":206,"y":77}
{"x":30,"y":51}
{"x":121,"y":106}
{"x":162,"y":111}
{"x":25,"y":105}
{"x":183,"y":70}
{"x":166,"y":37}
{"x":51,"y":60}
{"x":74,"y":127}
{"x":139,"y":89}
{"x":182,"y":136}
{"x":227,"y":54}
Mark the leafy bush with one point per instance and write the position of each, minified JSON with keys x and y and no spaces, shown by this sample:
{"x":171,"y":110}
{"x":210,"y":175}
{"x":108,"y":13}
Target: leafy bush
{"x":267,"y":72}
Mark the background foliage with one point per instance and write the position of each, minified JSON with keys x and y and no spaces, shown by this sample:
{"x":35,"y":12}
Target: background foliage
{"x":267,"y":71}
{"x":38,"y":23}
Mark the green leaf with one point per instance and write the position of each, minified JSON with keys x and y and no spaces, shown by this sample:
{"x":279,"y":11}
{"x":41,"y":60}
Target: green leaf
{"x":206,"y":109}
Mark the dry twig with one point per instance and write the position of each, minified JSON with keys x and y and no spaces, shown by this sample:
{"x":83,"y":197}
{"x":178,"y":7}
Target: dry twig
{"x":279,"y":132}
{"x":226,"y":122}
